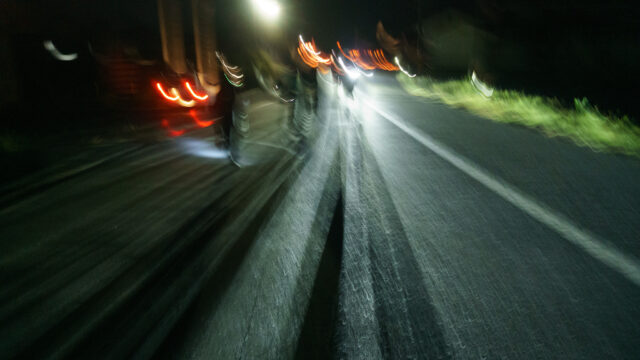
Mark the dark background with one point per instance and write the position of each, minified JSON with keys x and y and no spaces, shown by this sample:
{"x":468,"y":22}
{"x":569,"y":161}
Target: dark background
{"x":566,"y":49}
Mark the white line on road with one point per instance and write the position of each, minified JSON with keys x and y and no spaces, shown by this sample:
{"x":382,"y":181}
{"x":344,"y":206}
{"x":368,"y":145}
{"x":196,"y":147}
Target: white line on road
{"x":598,"y":248}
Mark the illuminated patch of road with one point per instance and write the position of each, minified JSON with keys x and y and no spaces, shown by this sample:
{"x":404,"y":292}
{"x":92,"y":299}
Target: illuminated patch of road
{"x":598,"y":248}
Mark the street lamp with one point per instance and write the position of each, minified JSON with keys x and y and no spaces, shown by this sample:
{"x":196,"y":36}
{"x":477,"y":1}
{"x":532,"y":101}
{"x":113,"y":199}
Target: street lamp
{"x":269,"y":9}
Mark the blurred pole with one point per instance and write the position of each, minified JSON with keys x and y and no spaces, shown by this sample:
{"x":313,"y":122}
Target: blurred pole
{"x":170,"y":15}
{"x":205,"y":43}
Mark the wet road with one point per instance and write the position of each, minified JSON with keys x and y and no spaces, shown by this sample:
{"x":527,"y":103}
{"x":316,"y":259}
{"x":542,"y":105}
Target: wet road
{"x":402,"y":229}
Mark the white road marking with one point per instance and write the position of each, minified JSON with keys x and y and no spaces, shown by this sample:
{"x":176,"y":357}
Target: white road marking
{"x":599,"y":248}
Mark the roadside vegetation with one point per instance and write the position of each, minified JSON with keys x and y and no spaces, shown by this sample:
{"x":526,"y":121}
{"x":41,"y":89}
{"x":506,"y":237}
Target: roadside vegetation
{"x":583,"y":123}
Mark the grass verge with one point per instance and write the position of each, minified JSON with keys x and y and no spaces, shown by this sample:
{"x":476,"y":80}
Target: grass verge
{"x":584,"y":124}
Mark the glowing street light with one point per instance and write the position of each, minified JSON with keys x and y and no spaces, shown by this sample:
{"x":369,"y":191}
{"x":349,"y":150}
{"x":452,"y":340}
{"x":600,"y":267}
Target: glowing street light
{"x":269,"y":9}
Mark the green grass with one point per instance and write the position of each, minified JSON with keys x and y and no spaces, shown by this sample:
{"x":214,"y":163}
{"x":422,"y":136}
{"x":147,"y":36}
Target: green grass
{"x":583,"y":123}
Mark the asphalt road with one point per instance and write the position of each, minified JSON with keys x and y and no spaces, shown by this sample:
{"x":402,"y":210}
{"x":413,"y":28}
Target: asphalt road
{"x":398,"y":228}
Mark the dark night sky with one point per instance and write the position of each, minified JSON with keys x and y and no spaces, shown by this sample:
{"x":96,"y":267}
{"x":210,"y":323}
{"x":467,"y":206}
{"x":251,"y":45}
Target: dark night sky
{"x":331,"y":20}
{"x":579,"y":47}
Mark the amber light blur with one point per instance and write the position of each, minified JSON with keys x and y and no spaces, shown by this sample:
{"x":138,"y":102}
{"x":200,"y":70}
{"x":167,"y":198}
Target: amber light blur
{"x":342,"y":51}
{"x":175,"y":97}
{"x":310,"y":55}
{"x":181,"y":101}
{"x":172,"y":132}
{"x":193,"y":93}
{"x":362,"y":59}
{"x":164,"y":94}
{"x":381,"y":61}
{"x":359,"y":60}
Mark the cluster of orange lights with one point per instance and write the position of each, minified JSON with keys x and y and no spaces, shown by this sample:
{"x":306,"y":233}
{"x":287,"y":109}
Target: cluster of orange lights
{"x":310,"y":54}
{"x":378,"y":60}
{"x":364,"y":59}
{"x":368,"y":59}
{"x":175,"y":97}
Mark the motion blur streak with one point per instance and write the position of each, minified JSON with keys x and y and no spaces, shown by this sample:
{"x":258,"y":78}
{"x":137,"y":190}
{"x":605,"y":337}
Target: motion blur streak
{"x":362,"y":59}
{"x":342,"y":51}
{"x":306,"y":59}
{"x":401,"y":69}
{"x":193,"y":93}
{"x":304,"y":210}
{"x":224,"y":63}
{"x":181,"y":101}
{"x":335,"y":66}
{"x":48,"y":44}
{"x":164,"y":94}
{"x":307,"y":46}
{"x":358,"y":60}
{"x":200,"y":123}
{"x":381,"y":61}
{"x":172,"y":132}
{"x":367,"y":74}
{"x":234,"y":83}
{"x":233,"y":74}
{"x":480,"y":86}
{"x":311,"y":54}
{"x":354,"y":74}
{"x":202,"y":148}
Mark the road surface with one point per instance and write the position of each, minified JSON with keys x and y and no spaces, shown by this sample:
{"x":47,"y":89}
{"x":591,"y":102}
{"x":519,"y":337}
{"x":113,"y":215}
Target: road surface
{"x":401,"y":229}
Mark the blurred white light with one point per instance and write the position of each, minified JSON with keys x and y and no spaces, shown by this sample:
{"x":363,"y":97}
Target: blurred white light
{"x":367,"y":74}
{"x":306,"y":46}
{"x":480,"y":86}
{"x":352,"y":74}
{"x":202,"y":148}
{"x":401,"y":69}
{"x":48,"y":44}
{"x":269,"y":9}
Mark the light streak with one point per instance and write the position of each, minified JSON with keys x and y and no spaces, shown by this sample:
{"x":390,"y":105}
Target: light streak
{"x":362,"y":60}
{"x":381,"y":61}
{"x":316,"y":56}
{"x":236,"y":76}
{"x":307,"y":46}
{"x":482,"y":87}
{"x":370,"y":74}
{"x":200,"y":123}
{"x":359,"y":61}
{"x":352,"y":74}
{"x":166,"y":96}
{"x":306,"y":59}
{"x":342,"y":51}
{"x":181,"y":101}
{"x":174,"y":133}
{"x":231,"y":81}
{"x":401,"y":69}
{"x":48,"y":44}
{"x":233,"y":74}
{"x":335,"y":65}
{"x":310,"y":55}
{"x":222,"y":60}
{"x":193,"y":93}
